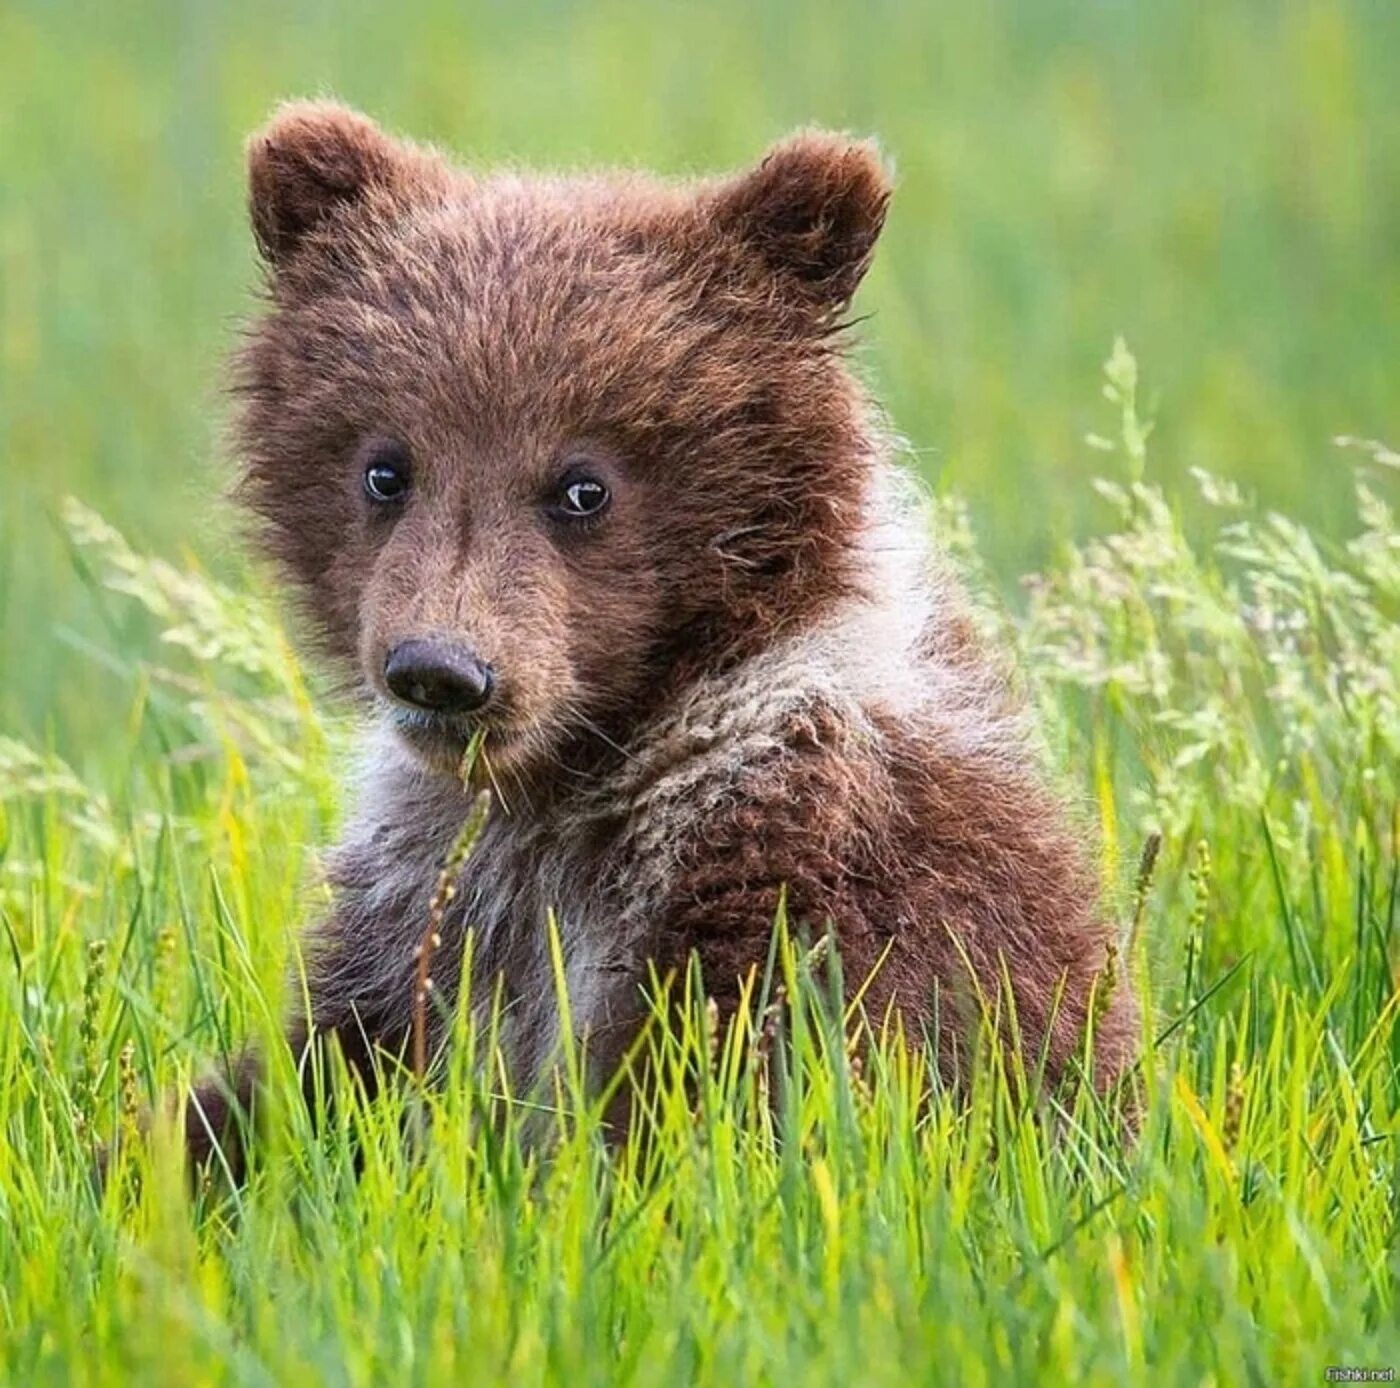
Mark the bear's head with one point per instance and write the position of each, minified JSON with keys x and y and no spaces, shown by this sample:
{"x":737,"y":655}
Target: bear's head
{"x":533,"y":449}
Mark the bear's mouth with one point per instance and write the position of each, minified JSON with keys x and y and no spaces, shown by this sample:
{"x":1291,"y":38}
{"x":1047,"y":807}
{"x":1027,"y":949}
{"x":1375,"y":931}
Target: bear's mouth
{"x":432,"y":730}
{"x":441,"y":740}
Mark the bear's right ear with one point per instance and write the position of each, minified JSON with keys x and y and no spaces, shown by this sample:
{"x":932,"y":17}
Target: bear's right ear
{"x":312,"y":158}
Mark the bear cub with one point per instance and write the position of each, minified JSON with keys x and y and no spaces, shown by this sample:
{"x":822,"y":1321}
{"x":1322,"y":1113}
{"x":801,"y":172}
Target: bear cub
{"x":575,"y":463}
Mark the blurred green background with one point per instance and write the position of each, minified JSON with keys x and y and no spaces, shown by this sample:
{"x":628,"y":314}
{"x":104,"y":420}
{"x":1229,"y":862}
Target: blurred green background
{"x":1219,"y":182}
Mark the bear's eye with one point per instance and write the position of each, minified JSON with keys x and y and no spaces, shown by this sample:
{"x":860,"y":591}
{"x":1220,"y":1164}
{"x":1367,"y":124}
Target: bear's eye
{"x":580,"y":497}
{"x":386,"y":474}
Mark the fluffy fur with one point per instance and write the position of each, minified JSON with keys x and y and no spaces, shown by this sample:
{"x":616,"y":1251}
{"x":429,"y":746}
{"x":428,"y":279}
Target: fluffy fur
{"x":748,"y":677}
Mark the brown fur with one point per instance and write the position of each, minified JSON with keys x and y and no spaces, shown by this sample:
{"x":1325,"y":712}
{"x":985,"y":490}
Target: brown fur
{"x":717,"y":691}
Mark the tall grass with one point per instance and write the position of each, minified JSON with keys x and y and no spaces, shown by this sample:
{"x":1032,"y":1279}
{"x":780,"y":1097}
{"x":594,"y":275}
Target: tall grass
{"x":797,"y":1211}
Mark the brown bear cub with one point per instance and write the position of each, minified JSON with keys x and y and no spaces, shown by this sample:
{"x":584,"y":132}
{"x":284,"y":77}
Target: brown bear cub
{"x":576,"y":462}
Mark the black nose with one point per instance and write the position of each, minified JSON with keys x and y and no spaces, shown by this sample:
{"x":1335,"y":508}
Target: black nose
{"x":439,"y":676}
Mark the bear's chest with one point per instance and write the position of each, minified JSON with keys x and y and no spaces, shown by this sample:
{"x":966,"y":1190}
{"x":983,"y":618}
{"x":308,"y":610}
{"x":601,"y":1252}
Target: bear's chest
{"x":542,"y":930}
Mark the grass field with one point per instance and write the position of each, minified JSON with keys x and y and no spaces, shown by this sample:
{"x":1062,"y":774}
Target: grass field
{"x":1213,"y":638}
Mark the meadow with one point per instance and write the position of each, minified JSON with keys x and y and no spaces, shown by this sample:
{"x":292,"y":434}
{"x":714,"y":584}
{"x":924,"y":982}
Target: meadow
{"x":1197,"y":583}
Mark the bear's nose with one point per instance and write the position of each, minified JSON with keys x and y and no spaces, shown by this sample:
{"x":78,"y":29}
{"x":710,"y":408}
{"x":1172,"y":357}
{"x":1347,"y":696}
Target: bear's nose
{"x":439,"y":676}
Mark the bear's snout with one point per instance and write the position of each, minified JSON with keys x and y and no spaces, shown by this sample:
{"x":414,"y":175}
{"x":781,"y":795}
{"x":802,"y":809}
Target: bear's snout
{"x":438,"y":676}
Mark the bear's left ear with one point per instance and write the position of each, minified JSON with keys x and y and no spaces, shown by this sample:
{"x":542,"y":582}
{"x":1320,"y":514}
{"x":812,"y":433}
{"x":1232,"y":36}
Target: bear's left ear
{"x":813,"y":210}
{"x":314,"y":158}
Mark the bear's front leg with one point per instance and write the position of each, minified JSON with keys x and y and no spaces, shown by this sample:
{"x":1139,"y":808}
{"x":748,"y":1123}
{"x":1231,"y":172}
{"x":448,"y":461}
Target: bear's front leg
{"x":222,"y":1112}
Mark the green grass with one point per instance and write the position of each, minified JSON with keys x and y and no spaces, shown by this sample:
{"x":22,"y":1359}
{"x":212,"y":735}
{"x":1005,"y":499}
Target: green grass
{"x":808,"y":1217}
{"x":1214,"y":181}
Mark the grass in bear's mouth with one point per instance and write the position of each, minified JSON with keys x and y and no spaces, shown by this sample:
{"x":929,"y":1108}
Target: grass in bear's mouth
{"x":821,"y":1217}
{"x":462,"y":846}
